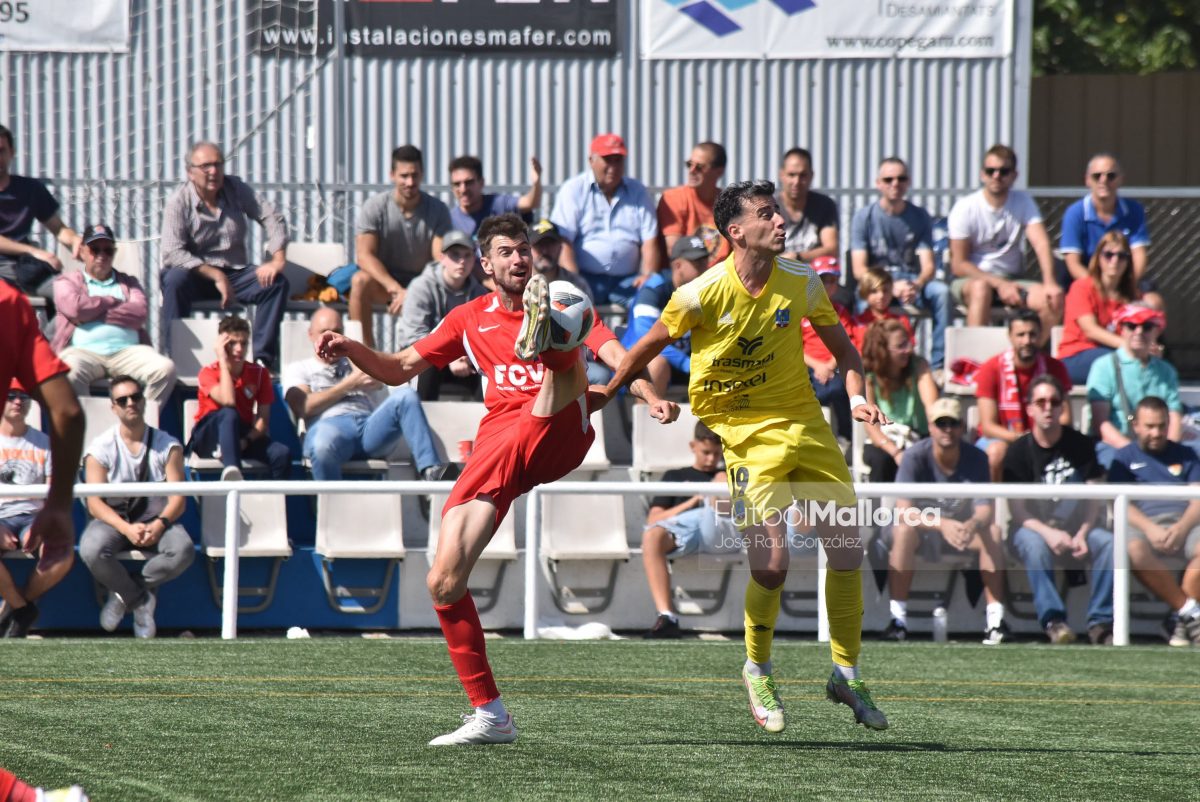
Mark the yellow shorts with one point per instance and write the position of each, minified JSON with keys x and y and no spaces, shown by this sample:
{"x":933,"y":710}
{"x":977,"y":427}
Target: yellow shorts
{"x":784,"y":462}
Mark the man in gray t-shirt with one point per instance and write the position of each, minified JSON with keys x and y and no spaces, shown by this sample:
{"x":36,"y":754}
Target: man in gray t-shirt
{"x":399,"y":232}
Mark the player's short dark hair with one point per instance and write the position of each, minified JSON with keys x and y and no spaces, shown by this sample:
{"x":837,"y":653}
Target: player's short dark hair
{"x":500,"y":225}
{"x":717,"y":151}
{"x":6,"y":135}
{"x":1003,"y":152}
{"x":800,"y":153}
{"x":705,"y":434}
{"x":731,"y":200}
{"x":1152,"y":403}
{"x":408,"y":154}
{"x":1038,"y":381}
{"x":471,"y":163}
{"x":1024,"y":316}
{"x":124,"y":378}
{"x":233,"y":325}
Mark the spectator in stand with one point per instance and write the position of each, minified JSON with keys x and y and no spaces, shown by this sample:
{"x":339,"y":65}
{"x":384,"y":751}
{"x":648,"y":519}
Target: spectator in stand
{"x":900,"y":383}
{"x":23,"y":200}
{"x":1044,"y":530}
{"x":687,"y":211}
{"x":473,"y":205}
{"x":689,"y":258}
{"x":100,"y":329}
{"x":1092,"y":305}
{"x":24,"y":460}
{"x":445,"y":284}
{"x":399,"y":232}
{"x":607,"y":222}
{"x":827,"y":383}
{"x":811,"y":218}
{"x":875,"y":290}
{"x":987,"y":231}
{"x":133,"y":451}
{"x":677,"y":526}
{"x":204,"y":249}
{"x":348,"y":414}
{"x":1100,"y":212}
{"x":966,"y":524}
{"x":896,"y":236}
{"x":1163,"y":528}
{"x":235,"y":407}
{"x":1002,"y":384}
{"x":547,"y":244}
{"x":1119,"y":381}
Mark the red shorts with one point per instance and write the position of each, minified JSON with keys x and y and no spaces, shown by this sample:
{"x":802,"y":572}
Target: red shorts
{"x":517,"y":450}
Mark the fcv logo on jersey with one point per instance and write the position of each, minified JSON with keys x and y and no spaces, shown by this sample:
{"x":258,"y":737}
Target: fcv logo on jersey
{"x":749,"y":346}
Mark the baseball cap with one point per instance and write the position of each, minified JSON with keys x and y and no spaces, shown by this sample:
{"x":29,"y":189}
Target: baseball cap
{"x":543,"y":229}
{"x":97,"y":232}
{"x":608,"y":145}
{"x":456,"y":237}
{"x":1140,"y":313}
{"x":827,"y":266}
{"x":690,"y":248}
{"x":946,"y":408}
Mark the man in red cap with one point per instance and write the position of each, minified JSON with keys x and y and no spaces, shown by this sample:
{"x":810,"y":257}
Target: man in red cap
{"x":608,"y":224}
{"x":1118,"y":382}
{"x":823,"y":372}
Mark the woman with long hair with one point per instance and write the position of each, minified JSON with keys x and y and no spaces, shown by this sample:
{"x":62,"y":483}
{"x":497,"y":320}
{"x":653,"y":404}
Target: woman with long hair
{"x":900,"y":383}
{"x":1092,"y":303}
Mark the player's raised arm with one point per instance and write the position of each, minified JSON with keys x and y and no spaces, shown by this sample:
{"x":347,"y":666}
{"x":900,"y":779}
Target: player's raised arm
{"x":850,"y":364}
{"x":613,"y":354}
{"x":637,"y":358}
{"x":391,"y":369}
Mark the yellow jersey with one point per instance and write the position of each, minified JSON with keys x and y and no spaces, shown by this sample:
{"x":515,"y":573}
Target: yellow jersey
{"x":747,"y":365}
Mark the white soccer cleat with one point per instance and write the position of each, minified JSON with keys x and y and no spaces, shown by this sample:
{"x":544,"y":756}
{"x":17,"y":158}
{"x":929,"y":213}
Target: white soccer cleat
{"x":534,"y":336}
{"x":143,"y":618}
{"x":72,"y":794}
{"x":112,"y":612}
{"x":478,"y":730}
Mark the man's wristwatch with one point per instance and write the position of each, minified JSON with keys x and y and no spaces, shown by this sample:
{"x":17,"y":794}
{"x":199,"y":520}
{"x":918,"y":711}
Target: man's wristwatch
{"x":165,"y":521}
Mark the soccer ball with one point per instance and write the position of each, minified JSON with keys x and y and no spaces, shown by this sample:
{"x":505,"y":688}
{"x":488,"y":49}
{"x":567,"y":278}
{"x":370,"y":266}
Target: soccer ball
{"x":571,"y":316}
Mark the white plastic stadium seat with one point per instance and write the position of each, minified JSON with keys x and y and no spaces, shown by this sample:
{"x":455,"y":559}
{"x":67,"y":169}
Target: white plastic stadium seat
{"x":500,"y":550}
{"x":262,"y":532}
{"x":658,"y":447}
{"x":595,"y":461}
{"x":98,"y":416}
{"x":192,"y":341}
{"x":33,"y":416}
{"x":294,"y":345}
{"x":582,"y":528}
{"x":306,"y":259}
{"x":453,"y":422}
{"x":341,"y":536}
{"x":973,"y":342}
{"x":1056,"y":335}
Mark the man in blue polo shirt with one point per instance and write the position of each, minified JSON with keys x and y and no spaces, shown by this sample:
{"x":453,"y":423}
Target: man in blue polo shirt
{"x":1163,"y":528}
{"x":1100,"y":211}
{"x":608,"y":224}
{"x":472,"y":204}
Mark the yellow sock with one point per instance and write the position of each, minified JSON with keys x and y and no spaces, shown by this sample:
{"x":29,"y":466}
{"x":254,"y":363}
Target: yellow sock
{"x":844,"y":602}
{"x":762,"y":608}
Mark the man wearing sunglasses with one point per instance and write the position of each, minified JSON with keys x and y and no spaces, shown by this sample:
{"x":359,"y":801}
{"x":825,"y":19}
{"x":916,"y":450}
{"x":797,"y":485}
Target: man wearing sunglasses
{"x":132,"y":451}
{"x":100,"y":330}
{"x":988,"y":229}
{"x":687,"y":211}
{"x":1117,"y":383}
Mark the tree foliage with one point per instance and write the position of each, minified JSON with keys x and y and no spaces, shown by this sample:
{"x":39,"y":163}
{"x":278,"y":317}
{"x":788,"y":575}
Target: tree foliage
{"x":1115,"y":36}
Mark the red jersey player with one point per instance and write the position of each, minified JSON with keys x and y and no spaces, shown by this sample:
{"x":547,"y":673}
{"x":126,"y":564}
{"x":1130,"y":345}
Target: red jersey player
{"x":536,"y":431}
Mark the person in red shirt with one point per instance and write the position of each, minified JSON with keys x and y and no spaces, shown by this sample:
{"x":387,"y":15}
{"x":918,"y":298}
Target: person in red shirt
{"x":876,"y":289}
{"x":1092,"y":304}
{"x":687,"y":210}
{"x":536,"y":430}
{"x":235,"y":407}
{"x":827,"y":382}
{"x":1003,"y":381}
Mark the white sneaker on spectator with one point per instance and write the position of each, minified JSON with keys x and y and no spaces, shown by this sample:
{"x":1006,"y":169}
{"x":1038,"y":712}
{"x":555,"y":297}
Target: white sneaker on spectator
{"x":112,"y":612}
{"x":143,"y":618}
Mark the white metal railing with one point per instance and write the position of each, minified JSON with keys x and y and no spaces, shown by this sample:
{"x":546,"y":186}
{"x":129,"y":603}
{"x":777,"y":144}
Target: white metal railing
{"x":1120,"y":495}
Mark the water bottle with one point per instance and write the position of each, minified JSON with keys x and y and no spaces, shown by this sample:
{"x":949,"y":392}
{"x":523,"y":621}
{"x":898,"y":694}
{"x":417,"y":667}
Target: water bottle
{"x":939,"y":625}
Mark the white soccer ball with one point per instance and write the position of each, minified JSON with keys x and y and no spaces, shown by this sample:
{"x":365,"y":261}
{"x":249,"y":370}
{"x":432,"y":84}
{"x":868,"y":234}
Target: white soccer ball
{"x":571,"y":316}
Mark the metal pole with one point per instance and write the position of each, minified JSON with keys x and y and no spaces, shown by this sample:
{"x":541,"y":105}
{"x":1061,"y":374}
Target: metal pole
{"x":822,"y":612}
{"x":533,"y":526}
{"x":1121,"y":570}
{"x":229,"y":592}
{"x":341,"y":122}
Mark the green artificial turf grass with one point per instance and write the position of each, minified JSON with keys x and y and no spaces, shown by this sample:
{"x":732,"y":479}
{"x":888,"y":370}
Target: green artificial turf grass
{"x":348,"y":719}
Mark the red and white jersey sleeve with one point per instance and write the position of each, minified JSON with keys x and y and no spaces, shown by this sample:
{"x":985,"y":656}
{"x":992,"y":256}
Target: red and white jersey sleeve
{"x":484,"y":331}
{"x":25,"y":355}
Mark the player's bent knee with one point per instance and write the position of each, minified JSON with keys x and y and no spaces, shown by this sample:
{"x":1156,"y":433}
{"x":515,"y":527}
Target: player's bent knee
{"x":444,"y":587}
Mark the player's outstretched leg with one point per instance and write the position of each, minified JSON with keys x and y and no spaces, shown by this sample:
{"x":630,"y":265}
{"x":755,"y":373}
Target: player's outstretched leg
{"x":534,"y":337}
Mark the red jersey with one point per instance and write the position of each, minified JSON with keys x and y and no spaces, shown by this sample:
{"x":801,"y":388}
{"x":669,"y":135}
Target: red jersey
{"x":25,"y":355}
{"x":253,"y":386}
{"x":1008,"y":395}
{"x":813,"y":345}
{"x":1084,"y":299}
{"x":484,"y":331}
{"x":863,"y":321}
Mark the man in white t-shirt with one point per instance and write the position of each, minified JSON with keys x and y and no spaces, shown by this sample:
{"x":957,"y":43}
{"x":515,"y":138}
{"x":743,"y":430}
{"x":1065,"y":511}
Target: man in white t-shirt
{"x":24,"y":460}
{"x":131,"y":451}
{"x":987,"y":231}
{"x":349,"y":416}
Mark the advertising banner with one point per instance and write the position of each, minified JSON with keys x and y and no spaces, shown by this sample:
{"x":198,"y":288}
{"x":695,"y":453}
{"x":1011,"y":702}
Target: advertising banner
{"x":65,"y":26}
{"x":790,"y":29}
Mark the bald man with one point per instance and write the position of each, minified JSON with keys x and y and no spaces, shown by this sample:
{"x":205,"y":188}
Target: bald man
{"x":349,"y":415}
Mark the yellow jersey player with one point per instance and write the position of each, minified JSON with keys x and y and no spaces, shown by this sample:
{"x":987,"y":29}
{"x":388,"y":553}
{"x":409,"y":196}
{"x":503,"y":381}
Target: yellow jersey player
{"x":749,"y":384}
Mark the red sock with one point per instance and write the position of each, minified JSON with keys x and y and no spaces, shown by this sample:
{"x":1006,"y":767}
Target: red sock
{"x":559,"y":360}
{"x":464,"y":636}
{"x":13,"y":790}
